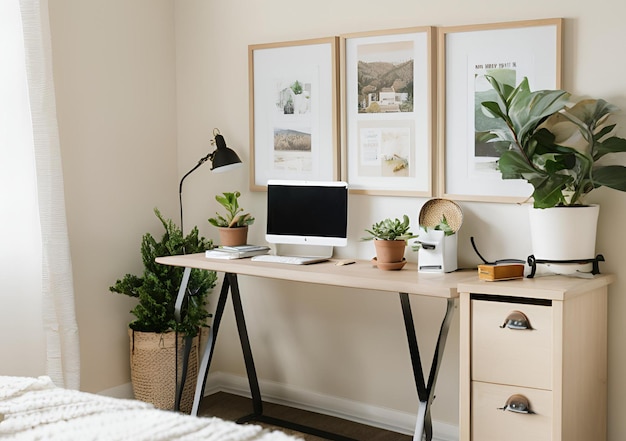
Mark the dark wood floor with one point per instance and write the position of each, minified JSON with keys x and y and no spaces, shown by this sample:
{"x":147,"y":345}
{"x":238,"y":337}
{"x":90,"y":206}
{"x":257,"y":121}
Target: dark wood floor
{"x":232,"y":407}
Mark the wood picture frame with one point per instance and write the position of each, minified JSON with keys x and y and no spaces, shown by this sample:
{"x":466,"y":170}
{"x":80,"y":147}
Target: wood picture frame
{"x":388,"y":111}
{"x":533,"y":49}
{"x":293,"y":111}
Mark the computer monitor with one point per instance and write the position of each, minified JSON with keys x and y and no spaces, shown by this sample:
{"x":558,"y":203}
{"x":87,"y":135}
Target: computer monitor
{"x":307,"y":213}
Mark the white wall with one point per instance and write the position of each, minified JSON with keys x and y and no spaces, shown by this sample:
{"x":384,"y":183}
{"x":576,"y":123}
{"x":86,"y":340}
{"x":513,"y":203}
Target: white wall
{"x":114,"y":70}
{"x":136,"y":78}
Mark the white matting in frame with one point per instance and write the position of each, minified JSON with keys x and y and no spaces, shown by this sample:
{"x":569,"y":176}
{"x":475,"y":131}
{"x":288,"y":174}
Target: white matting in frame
{"x":387,"y":111}
{"x":509,"y":51}
{"x":293,"y":111}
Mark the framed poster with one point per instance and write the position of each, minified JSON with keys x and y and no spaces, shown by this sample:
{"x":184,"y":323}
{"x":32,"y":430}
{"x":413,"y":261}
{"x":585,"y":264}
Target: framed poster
{"x":293,"y":111}
{"x":509,"y":52}
{"x":387,"y":111}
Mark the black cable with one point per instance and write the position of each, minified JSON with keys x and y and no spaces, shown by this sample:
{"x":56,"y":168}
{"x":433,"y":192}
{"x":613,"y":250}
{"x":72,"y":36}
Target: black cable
{"x":476,"y":251}
{"x":497,"y":261}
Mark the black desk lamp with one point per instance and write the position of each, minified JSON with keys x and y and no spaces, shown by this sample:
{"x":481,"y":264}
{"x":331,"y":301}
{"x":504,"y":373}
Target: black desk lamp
{"x":222,"y":159}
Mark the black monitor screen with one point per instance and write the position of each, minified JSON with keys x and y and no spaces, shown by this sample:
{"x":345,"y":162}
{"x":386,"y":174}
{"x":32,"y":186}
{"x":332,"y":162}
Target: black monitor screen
{"x":307,"y":212}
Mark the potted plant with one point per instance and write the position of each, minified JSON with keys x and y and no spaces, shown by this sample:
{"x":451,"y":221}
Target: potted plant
{"x":556,"y":148}
{"x":390,"y":238}
{"x":155,"y":330}
{"x":437,"y":247}
{"x":439,"y":221}
{"x":233,"y":226}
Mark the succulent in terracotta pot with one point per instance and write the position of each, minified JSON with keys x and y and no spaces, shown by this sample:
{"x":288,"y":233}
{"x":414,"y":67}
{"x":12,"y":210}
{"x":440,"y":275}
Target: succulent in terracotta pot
{"x":390,"y":239}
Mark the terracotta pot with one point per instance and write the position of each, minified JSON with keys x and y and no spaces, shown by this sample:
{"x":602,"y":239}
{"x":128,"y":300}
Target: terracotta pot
{"x":231,"y":237}
{"x":389,"y":251}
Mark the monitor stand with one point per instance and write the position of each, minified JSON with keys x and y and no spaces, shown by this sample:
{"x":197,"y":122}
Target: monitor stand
{"x":322,"y":251}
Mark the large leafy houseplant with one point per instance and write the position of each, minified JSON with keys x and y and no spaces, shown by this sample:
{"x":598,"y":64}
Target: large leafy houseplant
{"x":554,"y":147}
{"x":157,"y":288}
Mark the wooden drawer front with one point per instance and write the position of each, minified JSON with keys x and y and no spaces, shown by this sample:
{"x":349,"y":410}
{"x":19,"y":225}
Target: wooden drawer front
{"x":511,"y":356}
{"x":491,"y":423}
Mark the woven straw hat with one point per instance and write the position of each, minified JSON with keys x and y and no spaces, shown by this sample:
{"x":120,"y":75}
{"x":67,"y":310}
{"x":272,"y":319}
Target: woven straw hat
{"x":433,"y":211}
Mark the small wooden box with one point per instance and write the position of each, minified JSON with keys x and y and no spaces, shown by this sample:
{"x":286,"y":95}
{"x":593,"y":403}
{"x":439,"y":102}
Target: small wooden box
{"x":501,"y":272}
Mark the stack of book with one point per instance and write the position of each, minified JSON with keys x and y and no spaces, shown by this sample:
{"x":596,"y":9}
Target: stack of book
{"x":236,"y":252}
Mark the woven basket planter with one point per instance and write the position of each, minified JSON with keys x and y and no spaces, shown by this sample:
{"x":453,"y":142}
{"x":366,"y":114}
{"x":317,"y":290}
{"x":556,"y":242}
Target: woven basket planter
{"x":153,"y":368}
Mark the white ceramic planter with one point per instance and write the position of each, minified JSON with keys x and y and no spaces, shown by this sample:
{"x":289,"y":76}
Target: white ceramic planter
{"x":564,"y":233}
{"x":438,"y":252}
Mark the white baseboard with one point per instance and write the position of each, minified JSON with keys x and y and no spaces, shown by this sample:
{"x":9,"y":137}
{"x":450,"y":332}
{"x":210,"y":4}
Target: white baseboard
{"x":121,"y":391}
{"x":279,"y":393}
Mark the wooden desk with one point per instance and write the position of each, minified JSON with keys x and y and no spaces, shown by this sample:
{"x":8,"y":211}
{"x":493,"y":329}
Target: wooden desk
{"x":358,"y":275}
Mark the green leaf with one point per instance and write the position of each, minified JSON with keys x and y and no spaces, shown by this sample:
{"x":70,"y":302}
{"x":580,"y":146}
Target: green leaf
{"x":613,"y":176}
{"x":528,"y":110}
{"x":493,"y":109}
{"x":548,"y":189}
{"x":513,"y":165}
{"x":610,"y":145}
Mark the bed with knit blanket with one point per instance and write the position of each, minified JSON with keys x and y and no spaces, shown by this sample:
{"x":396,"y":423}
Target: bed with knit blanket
{"x":35,"y":409}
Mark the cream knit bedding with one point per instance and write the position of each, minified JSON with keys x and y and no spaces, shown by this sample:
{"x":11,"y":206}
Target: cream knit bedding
{"x":35,"y":409}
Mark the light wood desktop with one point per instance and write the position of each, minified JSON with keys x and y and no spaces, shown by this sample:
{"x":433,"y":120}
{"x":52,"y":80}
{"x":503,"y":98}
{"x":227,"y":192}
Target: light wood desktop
{"x":360,"y":274}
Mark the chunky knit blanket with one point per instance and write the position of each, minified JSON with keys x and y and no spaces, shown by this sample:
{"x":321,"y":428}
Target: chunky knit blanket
{"x":35,"y":409}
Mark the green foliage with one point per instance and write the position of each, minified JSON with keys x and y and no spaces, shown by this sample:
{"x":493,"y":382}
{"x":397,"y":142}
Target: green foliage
{"x":552,"y":146}
{"x":230,"y":201}
{"x":442,"y":226}
{"x":389,"y":229}
{"x":157,"y":288}
{"x":297,"y":88}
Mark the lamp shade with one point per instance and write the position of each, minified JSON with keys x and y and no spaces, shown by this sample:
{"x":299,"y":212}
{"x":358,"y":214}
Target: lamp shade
{"x":223,"y":158}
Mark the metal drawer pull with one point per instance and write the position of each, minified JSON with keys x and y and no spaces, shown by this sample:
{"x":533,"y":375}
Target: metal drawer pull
{"x":517,"y":403}
{"x":516,"y":320}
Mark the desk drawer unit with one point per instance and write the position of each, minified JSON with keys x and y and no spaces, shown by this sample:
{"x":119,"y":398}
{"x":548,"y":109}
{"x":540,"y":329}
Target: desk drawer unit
{"x":533,"y":360}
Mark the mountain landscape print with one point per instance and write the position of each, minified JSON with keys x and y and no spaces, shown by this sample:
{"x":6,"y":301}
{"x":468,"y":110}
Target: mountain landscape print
{"x":385,"y":73}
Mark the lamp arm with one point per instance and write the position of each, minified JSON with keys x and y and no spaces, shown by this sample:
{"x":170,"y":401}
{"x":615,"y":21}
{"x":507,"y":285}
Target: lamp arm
{"x":180,"y":186}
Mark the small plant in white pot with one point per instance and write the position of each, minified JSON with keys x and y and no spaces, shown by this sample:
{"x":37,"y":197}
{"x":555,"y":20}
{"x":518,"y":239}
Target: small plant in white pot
{"x":439,"y":221}
{"x":390,"y":239}
{"x":233,"y":226}
{"x":557,"y":149}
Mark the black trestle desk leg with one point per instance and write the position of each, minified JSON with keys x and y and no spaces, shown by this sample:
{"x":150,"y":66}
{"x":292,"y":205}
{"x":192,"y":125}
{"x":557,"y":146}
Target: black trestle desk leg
{"x":425,"y":392}
{"x":178,"y":307}
{"x":257,"y":403}
{"x":180,"y":385}
{"x":205,"y":363}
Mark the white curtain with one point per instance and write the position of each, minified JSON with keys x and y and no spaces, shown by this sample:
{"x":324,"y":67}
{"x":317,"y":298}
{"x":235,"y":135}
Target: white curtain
{"x":57,"y":296}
